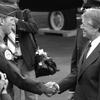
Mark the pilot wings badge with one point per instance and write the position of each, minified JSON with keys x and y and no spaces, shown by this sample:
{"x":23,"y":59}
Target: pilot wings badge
{"x":8,"y":55}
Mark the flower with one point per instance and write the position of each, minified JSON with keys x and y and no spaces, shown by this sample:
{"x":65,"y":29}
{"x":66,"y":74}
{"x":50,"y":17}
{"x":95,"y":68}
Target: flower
{"x":41,"y":52}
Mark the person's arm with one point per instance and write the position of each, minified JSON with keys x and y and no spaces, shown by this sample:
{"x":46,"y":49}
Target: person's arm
{"x":14,"y":76}
{"x":24,"y":26}
{"x":67,"y":83}
{"x":63,"y":85}
{"x":28,"y":17}
{"x":26,"y":21}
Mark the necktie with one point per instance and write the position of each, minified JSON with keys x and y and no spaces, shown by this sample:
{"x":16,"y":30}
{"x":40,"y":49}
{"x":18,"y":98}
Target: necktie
{"x":86,"y":51}
{"x":83,"y":57}
{"x":11,"y":42}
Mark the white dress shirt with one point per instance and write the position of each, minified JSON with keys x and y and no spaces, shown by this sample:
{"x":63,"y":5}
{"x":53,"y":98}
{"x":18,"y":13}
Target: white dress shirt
{"x":15,"y":50}
{"x":94,"y":44}
{"x":11,"y":45}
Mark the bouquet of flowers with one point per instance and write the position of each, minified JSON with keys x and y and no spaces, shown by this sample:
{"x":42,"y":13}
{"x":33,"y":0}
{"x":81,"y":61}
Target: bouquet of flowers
{"x":44,"y":65}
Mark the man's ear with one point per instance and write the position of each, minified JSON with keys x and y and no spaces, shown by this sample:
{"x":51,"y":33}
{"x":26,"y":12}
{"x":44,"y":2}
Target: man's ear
{"x":97,"y":29}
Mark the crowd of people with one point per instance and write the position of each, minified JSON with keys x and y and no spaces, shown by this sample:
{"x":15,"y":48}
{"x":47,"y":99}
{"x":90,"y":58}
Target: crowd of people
{"x":17,"y":57}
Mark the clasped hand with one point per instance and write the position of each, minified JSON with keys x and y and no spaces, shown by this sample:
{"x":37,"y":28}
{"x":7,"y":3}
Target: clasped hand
{"x":54,"y":86}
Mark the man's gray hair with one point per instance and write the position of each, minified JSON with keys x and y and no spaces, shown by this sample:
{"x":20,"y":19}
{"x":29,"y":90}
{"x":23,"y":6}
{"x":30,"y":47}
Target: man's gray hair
{"x":94,"y":15}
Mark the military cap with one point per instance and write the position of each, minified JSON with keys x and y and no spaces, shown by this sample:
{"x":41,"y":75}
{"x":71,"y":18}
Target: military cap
{"x":8,"y":9}
{"x":10,"y":1}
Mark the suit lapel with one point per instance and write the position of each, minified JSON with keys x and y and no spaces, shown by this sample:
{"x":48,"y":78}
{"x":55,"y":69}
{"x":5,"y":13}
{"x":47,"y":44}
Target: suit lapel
{"x":93,"y":57}
{"x":81,"y":58}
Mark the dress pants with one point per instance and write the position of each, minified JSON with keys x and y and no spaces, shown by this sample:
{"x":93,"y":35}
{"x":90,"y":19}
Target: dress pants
{"x":21,"y":94}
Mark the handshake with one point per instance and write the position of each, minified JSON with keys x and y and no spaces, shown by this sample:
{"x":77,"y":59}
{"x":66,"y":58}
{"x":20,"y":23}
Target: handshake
{"x":53,"y":86}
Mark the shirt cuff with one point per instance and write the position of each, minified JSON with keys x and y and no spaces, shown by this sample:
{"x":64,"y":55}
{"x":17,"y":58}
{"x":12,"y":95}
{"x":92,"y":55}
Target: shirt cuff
{"x":57,"y":87}
{"x":71,"y":92}
{"x":4,"y":92}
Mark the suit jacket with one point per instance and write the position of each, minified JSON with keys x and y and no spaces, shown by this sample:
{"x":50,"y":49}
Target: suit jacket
{"x":15,"y":77}
{"x":28,"y":48}
{"x":88,"y":78}
{"x":26,"y":31}
{"x":69,"y":82}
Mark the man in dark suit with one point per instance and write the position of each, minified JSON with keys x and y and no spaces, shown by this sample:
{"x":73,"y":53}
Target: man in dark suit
{"x":86,"y":77}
